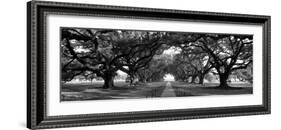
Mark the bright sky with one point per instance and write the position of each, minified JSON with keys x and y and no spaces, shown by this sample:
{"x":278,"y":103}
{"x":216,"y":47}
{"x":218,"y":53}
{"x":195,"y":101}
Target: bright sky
{"x":169,"y":77}
{"x":172,"y":50}
{"x":121,"y":72}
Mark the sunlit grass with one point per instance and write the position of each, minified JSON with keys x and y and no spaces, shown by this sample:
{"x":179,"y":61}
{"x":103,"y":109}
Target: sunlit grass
{"x":122,"y":90}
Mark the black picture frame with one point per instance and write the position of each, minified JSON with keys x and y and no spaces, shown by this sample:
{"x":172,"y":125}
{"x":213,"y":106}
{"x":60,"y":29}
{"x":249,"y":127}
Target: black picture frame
{"x":36,"y":65}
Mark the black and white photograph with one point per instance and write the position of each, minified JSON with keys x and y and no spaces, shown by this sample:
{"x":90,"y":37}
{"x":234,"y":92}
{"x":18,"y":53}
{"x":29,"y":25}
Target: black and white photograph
{"x":99,"y":64}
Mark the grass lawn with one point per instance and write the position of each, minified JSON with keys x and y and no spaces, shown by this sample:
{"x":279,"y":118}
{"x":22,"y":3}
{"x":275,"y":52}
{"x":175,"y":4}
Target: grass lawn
{"x":184,"y":89}
{"x":122,"y":90}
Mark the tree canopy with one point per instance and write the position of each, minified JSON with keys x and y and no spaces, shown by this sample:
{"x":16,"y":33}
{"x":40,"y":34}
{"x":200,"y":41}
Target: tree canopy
{"x":100,"y":53}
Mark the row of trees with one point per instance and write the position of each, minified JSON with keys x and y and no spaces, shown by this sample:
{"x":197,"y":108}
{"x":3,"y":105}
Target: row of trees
{"x":221,"y":55}
{"x":100,"y":53}
{"x":156,"y":69}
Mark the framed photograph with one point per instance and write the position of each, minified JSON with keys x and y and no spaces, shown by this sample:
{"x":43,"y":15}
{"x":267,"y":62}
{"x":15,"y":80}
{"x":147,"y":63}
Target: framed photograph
{"x":97,"y":64}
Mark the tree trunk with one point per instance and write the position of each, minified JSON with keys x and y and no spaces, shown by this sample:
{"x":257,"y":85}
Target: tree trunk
{"x":132,"y":78}
{"x":223,"y":80}
{"x":131,"y":81}
{"x":201,"y":79}
{"x":108,"y":81}
{"x":193,"y":78}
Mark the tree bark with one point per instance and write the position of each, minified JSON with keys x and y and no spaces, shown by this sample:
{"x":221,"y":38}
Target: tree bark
{"x":131,"y":81}
{"x":201,"y":79}
{"x":193,"y":77}
{"x":108,"y":81}
{"x":223,"y":80}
